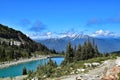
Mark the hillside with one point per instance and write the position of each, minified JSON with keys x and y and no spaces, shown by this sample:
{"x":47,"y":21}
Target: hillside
{"x":14,"y":45}
{"x":104,"y":44}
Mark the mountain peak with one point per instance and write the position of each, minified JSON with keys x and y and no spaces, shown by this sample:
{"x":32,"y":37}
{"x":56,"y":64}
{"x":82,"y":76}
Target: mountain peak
{"x":104,"y":44}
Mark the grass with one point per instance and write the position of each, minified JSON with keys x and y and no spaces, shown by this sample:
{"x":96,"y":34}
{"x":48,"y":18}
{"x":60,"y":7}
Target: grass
{"x":118,"y":76}
{"x":72,"y":67}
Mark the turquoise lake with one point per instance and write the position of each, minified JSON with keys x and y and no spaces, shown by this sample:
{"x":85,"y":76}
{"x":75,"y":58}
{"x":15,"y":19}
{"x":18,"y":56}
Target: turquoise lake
{"x":16,"y":70}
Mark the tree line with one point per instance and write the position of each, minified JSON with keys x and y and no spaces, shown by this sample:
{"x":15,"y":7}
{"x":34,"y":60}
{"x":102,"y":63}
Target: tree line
{"x":82,"y":52}
{"x":27,"y":48}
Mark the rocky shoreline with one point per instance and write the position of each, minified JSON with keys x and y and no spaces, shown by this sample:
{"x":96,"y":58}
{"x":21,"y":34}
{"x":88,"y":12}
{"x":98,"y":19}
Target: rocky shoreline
{"x":22,"y":60}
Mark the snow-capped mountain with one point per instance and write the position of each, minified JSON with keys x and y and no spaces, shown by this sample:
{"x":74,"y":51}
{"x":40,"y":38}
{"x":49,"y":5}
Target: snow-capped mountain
{"x":104,"y":44}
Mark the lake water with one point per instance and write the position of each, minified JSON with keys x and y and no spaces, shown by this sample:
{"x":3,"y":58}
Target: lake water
{"x":16,"y":70}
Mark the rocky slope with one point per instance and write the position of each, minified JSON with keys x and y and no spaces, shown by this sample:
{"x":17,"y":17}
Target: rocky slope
{"x":108,"y":70}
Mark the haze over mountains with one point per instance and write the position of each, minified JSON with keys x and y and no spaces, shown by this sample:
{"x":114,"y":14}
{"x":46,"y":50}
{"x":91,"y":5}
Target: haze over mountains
{"x":105,"y":44}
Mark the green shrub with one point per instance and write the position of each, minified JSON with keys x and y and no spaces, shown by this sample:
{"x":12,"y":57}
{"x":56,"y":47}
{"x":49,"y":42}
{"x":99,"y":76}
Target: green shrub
{"x":24,"y":71}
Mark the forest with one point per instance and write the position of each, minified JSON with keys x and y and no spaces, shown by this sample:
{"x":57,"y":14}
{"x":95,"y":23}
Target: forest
{"x":14,"y":45}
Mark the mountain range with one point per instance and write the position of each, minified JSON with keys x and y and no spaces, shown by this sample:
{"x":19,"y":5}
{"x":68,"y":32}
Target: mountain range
{"x":10,"y":37}
{"x":105,"y":45}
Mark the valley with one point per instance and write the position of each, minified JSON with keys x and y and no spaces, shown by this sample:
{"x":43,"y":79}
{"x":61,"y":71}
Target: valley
{"x":60,"y":40}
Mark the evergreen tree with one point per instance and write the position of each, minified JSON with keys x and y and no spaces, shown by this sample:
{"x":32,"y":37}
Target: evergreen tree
{"x":11,"y":54}
{"x":24,"y":71}
{"x":96,"y":51}
{"x":78,"y":55}
{"x":86,"y":51}
{"x":3,"y":56}
{"x":69,"y":53}
{"x":52,"y":63}
{"x":74,"y":51}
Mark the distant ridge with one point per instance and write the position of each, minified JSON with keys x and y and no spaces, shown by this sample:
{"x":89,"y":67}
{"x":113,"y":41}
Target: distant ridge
{"x":105,"y":45}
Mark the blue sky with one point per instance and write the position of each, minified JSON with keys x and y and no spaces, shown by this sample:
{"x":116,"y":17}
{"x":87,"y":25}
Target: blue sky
{"x":54,"y":18}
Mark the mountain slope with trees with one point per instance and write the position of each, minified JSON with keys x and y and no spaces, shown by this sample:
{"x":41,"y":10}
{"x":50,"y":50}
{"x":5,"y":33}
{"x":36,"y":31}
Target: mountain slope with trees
{"x":14,"y":45}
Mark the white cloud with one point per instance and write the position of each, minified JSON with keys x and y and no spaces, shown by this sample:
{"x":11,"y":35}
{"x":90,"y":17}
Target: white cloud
{"x":103,"y":33}
{"x":69,"y":34}
{"x":47,"y":35}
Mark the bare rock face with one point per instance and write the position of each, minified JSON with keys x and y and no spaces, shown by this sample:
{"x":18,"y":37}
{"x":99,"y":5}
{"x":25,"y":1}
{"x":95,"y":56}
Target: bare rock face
{"x":113,"y":74}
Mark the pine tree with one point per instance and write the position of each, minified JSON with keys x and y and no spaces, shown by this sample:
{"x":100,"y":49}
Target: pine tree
{"x":74,"y":51}
{"x":83,"y":52}
{"x":52,"y":63}
{"x":24,"y":71}
{"x":96,"y":51}
{"x":69,"y":53}
{"x":79,"y":55}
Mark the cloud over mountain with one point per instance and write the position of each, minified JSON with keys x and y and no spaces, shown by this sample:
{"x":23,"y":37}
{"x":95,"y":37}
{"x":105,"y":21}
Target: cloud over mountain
{"x":104,"y":33}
